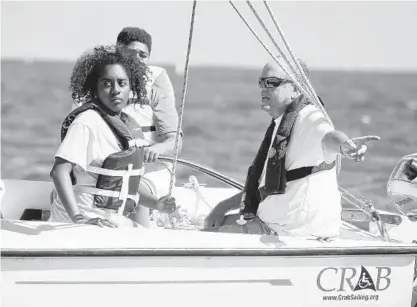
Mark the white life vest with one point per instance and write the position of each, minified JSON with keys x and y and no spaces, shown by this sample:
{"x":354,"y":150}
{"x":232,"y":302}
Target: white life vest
{"x":156,"y":72}
{"x":157,"y":176}
{"x":144,"y":114}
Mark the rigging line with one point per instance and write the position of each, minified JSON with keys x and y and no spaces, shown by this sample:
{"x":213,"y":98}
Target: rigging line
{"x":338,"y":158}
{"x":310,"y":91}
{"x":274,"y":20}
{"x":314,"y":98}
{"x":184,"y":92}
{"x":274,"y":42}
{"x":268,"y":50}
{"x":310,"y":88}
{"x":306,"y":80}
{"x":181,"y":115}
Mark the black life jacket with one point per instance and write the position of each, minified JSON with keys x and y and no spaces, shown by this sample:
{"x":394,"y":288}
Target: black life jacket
{"x":119,"y":175}
{"x":276,"y":176}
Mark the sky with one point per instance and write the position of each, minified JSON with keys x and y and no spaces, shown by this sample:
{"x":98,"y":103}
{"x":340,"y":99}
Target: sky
{"x":327,"y":35}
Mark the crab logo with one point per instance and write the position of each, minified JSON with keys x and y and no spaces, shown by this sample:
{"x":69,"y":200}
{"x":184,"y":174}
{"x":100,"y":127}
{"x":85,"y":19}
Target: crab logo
{"x":349,"y":279}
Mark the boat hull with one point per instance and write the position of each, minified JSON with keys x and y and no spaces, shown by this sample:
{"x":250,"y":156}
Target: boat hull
{"x":208,"y":280}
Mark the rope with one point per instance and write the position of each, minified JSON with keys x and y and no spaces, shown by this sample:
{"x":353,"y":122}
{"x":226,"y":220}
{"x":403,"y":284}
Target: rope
{"x":309,"y":86}
{"x":271,"y":14}
{"x":270,"y":53}
{"x":181,"y":115}
{"x":309,"y":90}
{"x":253,"y":32}
{"x":273,"y":41}
{"x":365,"y":205}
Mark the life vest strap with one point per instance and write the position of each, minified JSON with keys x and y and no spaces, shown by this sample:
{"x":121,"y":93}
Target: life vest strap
{"x":148,"y":128}
{"x":115,"y":173}
{"x":296,"y":174}
{"x":124,"y":190}
{"x":123,"y":194}
{"x":101,"y":192}
{"x":302,"y":172}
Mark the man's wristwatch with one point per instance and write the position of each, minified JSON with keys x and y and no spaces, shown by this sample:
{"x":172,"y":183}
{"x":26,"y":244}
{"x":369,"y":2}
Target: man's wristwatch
{"x":341,"y":150}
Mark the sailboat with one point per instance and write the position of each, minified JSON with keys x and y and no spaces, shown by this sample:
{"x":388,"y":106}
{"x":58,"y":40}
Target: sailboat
{"x":48,"y":264}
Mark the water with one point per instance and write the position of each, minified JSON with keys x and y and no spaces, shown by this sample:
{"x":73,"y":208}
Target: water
{"x":223,"y":125}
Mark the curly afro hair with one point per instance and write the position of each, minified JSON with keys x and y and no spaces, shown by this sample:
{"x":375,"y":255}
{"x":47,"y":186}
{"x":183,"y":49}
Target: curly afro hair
{"x":134,"y":34}
{"x":89,"y":67}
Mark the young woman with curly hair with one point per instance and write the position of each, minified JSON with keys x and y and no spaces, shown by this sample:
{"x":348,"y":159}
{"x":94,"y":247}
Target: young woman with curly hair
{"x":98,"y":165}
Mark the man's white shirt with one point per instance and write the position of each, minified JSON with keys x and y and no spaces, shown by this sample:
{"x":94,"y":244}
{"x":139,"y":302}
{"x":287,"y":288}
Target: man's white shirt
{"x":311,"y":205}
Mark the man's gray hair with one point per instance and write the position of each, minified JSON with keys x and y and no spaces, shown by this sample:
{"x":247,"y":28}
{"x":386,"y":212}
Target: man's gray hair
{"x":304,"y":67}
{"x":306,"y":71}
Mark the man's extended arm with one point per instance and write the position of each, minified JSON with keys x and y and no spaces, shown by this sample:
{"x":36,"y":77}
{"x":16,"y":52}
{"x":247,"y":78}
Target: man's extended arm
{"x":335,"y":142}
{"x":331,"y":143}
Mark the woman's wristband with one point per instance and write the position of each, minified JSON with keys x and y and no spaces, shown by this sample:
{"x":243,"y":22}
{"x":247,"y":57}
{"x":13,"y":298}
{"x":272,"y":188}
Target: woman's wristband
{"x":78,"y":217}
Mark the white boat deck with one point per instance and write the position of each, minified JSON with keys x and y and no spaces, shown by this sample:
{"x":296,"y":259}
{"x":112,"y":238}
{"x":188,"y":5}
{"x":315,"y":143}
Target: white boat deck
{"x":36,"y":237}
{"x":41,"y":237}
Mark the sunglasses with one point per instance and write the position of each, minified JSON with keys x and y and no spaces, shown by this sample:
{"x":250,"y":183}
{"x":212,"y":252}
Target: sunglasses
{"x":272,"y":82}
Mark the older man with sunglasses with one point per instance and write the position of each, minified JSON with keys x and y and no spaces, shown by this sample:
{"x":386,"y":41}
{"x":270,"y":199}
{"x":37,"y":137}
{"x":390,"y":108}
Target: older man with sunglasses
{"x":291,"y":187}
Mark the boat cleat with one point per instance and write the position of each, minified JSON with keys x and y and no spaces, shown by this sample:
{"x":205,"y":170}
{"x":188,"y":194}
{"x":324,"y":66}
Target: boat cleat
{"x":241,"y":221}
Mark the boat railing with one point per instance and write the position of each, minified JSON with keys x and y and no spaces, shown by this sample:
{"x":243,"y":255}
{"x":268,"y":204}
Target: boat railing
{"x":206,"y":170}
{"x":363,"y":204}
